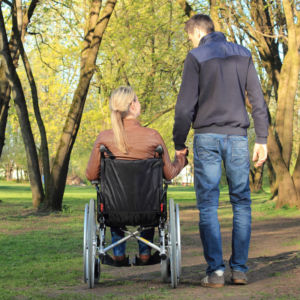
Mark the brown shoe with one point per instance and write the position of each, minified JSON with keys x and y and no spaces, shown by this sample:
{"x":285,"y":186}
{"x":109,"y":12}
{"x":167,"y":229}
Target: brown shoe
{"x":213,"y":280}
{"x":239,"y":278}
{"x":116,"y":261}
{"x":119,"y":258}
{"x":144,"y":258}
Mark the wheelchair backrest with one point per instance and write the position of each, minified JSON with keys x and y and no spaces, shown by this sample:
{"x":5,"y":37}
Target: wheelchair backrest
{"x":131,"y":191}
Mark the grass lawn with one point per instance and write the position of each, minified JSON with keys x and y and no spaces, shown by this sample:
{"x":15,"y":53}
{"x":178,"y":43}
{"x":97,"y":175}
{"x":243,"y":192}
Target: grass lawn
{"x":41,"y":256}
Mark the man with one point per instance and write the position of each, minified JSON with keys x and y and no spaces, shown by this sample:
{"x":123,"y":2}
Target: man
{"x":217,"y":77}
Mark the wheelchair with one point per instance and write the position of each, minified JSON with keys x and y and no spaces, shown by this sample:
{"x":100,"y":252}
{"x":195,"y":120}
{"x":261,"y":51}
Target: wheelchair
{"x":131,"y":193}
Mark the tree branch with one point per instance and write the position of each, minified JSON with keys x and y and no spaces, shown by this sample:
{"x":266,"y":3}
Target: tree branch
{"x":7,"y":2}
{"x":272,"y":36}
{"x":158,"y":115}
{"x":188,"y":10}
{"x":41,"y":57}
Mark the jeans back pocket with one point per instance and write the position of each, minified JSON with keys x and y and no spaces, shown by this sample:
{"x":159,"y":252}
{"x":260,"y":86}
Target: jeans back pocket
{"x":240,"y":152}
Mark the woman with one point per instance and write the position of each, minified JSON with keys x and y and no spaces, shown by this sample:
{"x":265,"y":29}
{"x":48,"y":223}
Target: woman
{"x":129,"y":140}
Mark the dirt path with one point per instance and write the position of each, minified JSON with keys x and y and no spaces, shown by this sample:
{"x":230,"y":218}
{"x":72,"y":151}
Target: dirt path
{"x":274,"y":262}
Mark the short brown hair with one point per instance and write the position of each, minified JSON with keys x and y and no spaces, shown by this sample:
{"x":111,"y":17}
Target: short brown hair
{"x":203,"y":22}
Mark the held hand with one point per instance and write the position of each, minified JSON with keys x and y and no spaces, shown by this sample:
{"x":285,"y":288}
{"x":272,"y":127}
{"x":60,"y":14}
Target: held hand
{"x":184,"y":151}
{"x":260,"y":154}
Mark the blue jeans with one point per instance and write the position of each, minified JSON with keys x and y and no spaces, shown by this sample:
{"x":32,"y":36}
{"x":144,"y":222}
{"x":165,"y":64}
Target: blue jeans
{"x":117,"y":234}
{"x":209,"y":151}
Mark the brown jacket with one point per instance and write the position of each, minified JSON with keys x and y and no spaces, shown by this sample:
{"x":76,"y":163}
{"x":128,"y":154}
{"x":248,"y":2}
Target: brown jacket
{"x":142,"y":143}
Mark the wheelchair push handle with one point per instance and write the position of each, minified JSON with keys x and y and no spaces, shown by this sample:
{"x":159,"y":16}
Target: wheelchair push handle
{"x":159,"y":149}
{"x":103,"y":149}
{"x":96,"y":184}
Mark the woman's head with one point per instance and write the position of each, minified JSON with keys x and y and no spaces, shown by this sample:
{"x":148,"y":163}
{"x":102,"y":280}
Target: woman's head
{"x":123,"y":104}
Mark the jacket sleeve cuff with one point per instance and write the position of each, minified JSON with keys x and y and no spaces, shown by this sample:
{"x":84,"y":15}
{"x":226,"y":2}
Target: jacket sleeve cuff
{"x":261,"y":140}
{"x":180,"y":147}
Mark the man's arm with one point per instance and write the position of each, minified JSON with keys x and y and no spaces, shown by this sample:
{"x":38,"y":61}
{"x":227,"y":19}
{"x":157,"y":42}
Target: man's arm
{"x":259,"y":106}
{"x":186,"y":101}
{"x":259,"y":114}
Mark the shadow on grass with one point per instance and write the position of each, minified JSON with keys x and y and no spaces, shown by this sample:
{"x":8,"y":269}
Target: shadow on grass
{"x":273,"y":266}
{"x":32,"y":213}
{"x":16,"y":188}
{"x":275,"y":225}
{"x":188,"y":207}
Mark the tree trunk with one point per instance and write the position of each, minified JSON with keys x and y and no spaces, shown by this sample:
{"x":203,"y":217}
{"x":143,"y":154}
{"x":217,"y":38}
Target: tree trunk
{"x":287,"y":194}
{"x":95,"y":29}
{"x":186,"y":8}
{"x":7,"y":172}
{"x":21,"y":109}
{"x":4,"y":104}
{"x":288,"y":87}
{"x":214,"y":14}
{"x":44,"y":143}
{"x":272,"y":178}
{"x":296,"y":177}
{"x":285,"y":79}
{"x":256,"y":179}
{"x":4,"y":85}
{"x":18,"y":179}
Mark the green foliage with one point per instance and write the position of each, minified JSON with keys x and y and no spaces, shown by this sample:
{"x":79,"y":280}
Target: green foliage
{"x":144,"y":45}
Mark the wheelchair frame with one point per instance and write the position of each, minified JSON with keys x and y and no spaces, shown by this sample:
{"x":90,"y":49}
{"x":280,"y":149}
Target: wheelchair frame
{"x":95,"y":249}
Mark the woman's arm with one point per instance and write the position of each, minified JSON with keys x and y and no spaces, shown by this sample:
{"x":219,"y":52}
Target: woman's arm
{"x":93,"y":168}
{"x":171,"y":169}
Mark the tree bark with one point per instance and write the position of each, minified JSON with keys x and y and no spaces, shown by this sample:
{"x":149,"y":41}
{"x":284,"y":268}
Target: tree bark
{"x":286,"y":191}
{"x":44,"y":143}
{"x":5,"y":94}
{"x":285,"y":80}
{"x":267,"y":46}
{"x":287,"y":88}
{"x":186,"y":8}
{"x":214,"y":14}
{"x":21,"y":109}
{"x":95,"y":29}
{"x":296,"y":177}
{"x":256,"y":179}
{"x":272,"y":178}
{"x":4,"y":104}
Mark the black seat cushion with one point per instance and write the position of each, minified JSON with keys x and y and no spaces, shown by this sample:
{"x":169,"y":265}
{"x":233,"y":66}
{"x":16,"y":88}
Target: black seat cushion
{"x":131,"y":191}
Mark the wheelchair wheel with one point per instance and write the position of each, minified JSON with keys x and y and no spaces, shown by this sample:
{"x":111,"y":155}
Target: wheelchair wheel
{"x":173,"y":245}
{"x":91,"y":244}
{"x":165,"y":270}
{"x":178,"y":248}
{"x":85,"y":225}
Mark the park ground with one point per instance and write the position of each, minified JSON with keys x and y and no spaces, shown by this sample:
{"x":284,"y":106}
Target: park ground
{"x":41,"y":255}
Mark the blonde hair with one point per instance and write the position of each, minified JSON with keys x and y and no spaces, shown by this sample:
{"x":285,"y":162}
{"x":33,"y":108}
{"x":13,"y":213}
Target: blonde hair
{"x":119,"y":104}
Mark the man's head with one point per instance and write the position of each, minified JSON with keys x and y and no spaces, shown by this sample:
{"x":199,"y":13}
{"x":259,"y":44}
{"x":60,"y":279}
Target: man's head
{"x":197,"y":27}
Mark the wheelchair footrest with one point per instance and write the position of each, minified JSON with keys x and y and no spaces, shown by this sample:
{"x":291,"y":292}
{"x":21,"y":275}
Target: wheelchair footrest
{"x":153,"y":260}
{"x":107,"y":260}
